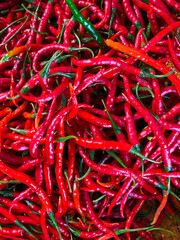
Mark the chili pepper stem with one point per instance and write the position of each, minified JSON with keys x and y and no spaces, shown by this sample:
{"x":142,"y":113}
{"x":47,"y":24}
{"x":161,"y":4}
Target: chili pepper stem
{"x":17,"y":222}
{"x":52,"y":217}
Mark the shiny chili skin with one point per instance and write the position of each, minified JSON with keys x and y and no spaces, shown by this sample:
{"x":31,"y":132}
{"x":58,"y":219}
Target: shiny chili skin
{"x":59,"y":167}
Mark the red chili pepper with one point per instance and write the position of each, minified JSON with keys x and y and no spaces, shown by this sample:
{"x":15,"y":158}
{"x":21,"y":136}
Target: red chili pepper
{"x":12,"y":232}
{"x":48,"y":179}
{"x":131,"y":15}
{"x":161,"y":5}
{"x":173,"y":53}
{"x":154,"y":126}
{"x":153,"y":22}
{"x":49,"y":96}
{"x":10,"y":116}
{"x":131,"y":129}
{"x":74,"y":102}
{"x":44,"y":19}
{"x":173,"y":4}
{"x":5,"y":112}
{"x":166,"y":17}
{"x":92,"y":185}
{"x":107,"y":14}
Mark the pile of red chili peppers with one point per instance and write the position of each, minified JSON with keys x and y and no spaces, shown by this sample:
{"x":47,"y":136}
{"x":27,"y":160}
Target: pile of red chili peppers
{"x":89,"y":118}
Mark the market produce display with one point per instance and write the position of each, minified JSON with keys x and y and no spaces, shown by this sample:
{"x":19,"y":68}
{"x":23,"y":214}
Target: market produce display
{"x":89,"y":118}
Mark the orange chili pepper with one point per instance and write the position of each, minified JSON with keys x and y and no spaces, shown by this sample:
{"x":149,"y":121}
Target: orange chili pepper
{"x":160,"y":208}
{"x":146,"y":59}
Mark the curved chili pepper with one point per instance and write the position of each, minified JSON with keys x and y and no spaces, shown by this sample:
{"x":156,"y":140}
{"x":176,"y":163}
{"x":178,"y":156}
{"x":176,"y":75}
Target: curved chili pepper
{"x":49,"y":96}
{"x":166,"y":17}
{"x":131,"y":15}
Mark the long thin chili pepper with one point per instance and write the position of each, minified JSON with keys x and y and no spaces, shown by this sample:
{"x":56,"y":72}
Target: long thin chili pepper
{"x":59,"y":166}
{"x":106,"y":145}
{"x":136,"y":208}
{"x":44,"y":20}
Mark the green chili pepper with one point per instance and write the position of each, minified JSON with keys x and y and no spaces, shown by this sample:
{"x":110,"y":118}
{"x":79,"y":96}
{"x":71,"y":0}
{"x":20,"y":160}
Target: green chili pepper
{"x":87,"y":25}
